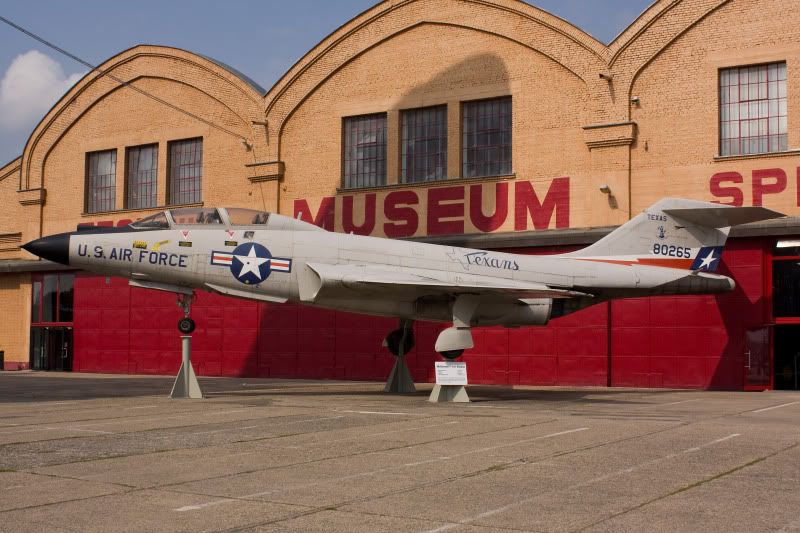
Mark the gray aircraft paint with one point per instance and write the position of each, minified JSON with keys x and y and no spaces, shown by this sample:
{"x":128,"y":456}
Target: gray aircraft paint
{"x":649,"y":255}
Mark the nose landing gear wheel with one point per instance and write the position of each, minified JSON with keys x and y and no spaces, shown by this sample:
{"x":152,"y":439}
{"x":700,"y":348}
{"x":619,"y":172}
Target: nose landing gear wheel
{"x":451,"y":354}
{"x":186,"y":325}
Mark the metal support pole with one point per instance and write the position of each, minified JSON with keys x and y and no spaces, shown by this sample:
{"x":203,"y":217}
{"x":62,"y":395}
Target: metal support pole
{"x":400,"y":380}
{"x":186,"y":384}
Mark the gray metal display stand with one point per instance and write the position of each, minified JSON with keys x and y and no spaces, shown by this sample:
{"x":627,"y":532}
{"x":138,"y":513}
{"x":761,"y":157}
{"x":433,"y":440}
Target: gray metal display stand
{"x":449,"y":393}
{"x":400,"y":380}
{"x":186,"y":385}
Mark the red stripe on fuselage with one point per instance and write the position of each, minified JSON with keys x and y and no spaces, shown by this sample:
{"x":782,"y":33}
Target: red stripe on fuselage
{"x":665,"y":262}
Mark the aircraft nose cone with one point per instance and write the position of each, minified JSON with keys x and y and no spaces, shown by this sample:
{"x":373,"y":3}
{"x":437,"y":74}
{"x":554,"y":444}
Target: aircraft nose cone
{"x":53,"y":248}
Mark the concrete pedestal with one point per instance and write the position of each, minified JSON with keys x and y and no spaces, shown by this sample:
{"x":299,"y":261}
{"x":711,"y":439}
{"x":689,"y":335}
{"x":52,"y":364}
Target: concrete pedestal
{"x":186,"y":385}
{"x":449,"y":393}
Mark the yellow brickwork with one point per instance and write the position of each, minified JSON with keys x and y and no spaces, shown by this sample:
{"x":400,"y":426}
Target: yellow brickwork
{"x":677,"y":118}
{"x":99,"y":114}
{"x":13,"y":227}
{"x":15,"y":300}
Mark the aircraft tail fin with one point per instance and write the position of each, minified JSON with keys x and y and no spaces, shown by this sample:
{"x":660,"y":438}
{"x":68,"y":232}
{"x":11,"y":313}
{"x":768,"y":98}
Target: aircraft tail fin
{"x":676,"y":233}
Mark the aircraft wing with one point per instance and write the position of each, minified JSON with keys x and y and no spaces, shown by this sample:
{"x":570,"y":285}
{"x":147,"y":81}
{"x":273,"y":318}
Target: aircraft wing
{"x":343,"y":280}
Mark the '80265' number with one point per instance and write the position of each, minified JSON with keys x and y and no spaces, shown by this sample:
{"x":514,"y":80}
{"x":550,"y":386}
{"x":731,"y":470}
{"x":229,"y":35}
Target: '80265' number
{"x":672,"y":251}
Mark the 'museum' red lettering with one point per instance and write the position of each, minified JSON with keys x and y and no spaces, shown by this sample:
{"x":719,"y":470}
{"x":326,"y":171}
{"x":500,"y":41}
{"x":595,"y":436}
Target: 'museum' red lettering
{"x":369,"y":215}
{"x":405,"y":220}
{"x":324,"y":217}
{"x":494,"y":221}
{"x":438,"y":210}
{"x":527,"y":203}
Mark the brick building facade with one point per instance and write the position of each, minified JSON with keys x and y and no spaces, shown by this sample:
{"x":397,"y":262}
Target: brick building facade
{"x":491,"y":124}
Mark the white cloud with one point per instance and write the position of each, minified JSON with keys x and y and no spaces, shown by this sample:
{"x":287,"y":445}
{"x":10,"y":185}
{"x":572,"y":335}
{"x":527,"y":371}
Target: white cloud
{"x":30,"y":87}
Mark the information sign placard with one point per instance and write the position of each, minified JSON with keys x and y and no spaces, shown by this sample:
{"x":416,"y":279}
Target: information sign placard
{"x":451,"y":373}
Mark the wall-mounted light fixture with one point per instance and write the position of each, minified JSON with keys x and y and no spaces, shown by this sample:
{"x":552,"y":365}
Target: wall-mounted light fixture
{"x":635,"y":100}
{"x":605,"y":189}
{"x":606,"y":76}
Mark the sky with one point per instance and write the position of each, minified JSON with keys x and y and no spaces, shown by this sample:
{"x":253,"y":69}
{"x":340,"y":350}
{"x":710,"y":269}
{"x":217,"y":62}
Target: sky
{"x":260,"y":38}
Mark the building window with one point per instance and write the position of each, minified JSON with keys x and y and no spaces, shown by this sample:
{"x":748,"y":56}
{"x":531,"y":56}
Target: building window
{"x":486,"y":142}
{"x":786,"y":279}
{"x":364,"y":151}
{"x":753,"y":109}
{"x":52,"y":298}
{"x":186,"y":171}
{"x":142,"y":177}
{"x":424,"y":144}
{"x":101,"y":179}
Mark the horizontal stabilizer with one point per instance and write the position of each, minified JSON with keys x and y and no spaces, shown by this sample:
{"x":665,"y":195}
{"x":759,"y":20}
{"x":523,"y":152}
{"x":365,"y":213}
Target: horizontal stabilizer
{"x":722,"y":217}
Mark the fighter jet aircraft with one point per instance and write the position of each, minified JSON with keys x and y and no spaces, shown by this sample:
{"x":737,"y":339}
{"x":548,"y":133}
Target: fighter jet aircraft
{"x":673,"y":247}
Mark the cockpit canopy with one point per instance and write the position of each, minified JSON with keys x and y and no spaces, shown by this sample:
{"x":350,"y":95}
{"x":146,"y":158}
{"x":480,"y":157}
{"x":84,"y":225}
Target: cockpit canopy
{"x":211,"y":217}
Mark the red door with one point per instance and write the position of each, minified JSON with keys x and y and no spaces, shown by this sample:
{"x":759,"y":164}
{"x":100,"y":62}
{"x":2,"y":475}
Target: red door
{"x":757,"y":359}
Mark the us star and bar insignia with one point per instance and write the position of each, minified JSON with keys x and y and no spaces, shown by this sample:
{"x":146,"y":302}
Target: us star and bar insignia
{"x":251,"y":263}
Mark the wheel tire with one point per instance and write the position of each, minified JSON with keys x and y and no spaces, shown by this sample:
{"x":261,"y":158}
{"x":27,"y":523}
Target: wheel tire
{"x":451,"y":354}
{"x":186,"y":325}
{"x":393,"y":341}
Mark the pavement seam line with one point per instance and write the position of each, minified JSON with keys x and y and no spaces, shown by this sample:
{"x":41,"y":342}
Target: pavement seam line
{"x":691,"y":486}
{"x":165,"y":450}
{"x":385,"y":450}
{"x":491,"y":512}
{"x":774,"y":407}
{"x":522,"y":462}
{"x":249,"y":497}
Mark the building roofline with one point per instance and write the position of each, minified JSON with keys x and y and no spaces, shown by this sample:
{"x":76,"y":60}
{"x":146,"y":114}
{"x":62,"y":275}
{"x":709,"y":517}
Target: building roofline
{"x":242,"y":76}
{"x":9,"y":168}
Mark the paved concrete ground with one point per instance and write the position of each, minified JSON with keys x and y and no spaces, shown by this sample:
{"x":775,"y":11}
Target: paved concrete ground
{"x":112,"y":453}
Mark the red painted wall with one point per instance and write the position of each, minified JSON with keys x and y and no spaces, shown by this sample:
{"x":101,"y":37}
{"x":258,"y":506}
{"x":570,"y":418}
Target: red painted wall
{"x":687,"y":341}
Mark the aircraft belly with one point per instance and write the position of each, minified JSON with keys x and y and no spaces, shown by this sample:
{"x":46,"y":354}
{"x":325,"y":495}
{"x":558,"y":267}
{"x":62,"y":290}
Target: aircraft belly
{"x":383,"y":307}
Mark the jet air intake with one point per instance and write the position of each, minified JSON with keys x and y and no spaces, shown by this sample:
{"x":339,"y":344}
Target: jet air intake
{"x":532,"y":312}
{"x":525,"y":312}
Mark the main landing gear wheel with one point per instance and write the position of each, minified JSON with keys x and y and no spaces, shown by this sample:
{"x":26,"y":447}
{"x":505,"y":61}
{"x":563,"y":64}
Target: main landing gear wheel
{"x":452,"y":354}
{"x":395,"y":340}
{"x":186,"y":325}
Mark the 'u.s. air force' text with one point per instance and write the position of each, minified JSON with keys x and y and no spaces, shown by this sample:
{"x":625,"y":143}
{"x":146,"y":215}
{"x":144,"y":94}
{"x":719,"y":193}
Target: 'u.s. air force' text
{"x":140,"y":256}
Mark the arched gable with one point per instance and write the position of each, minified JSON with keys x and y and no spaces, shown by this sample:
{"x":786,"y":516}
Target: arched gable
{"x":531,"y":27}
{"x":652,"y":33}
{"x":537,"y":30}
{"x":139,"y":62}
